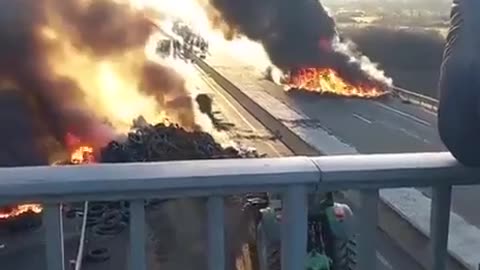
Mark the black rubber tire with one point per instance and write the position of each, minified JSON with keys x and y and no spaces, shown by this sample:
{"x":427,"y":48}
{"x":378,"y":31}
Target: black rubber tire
{"x":112,"y":218}
{"x":97,"y":255}
{"x":273,"y":252}
{"x":108,"y":230}
{"x":96,"y":210}
{"x":92,"y":221}
{"x":345,"y":255}
{"x":72,"y":213}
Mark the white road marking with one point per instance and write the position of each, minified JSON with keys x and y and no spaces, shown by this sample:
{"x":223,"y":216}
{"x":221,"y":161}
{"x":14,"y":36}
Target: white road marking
{"x":384,"y":261}
{"x":214,"y":88}
{"x":361,"y":118}
{"x":219,"y":92}
{"x":415,"y":136}
{"x":404,"y":114}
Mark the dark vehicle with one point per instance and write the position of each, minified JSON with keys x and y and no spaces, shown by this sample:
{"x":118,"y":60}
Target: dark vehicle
{"x":331,"y":244}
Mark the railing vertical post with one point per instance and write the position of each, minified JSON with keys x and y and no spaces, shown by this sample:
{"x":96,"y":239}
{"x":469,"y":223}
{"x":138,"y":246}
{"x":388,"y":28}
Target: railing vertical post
{"x":367,"y":225}
{"x":52,"y":218}
{"x":137,"y":235}
{"x":294,"y":228}
{"x":439,"y":225}
{"x":216,"y":233}
{"x":81,"y":244}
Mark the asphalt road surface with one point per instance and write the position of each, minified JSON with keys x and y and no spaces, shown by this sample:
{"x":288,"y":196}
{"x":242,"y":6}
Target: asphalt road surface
{"x":369,"y":126}
{"x":389,"y":256}
{"x":174,"y":224}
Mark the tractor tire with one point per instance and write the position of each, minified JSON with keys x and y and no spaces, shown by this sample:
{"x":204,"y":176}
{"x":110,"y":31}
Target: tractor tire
{"x":268,"y":252}
{"x":345,"y":253}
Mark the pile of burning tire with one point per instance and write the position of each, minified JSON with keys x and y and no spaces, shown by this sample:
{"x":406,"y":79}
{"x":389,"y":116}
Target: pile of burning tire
{"x":330,"y":244}
{"x":163,"y":142}
{"x":147,"y":143}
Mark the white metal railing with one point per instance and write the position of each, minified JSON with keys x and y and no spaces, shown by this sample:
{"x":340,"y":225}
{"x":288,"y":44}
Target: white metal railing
{"x":293,"y":177}
{"x":81,"y":242}
{"x":426,"y":102}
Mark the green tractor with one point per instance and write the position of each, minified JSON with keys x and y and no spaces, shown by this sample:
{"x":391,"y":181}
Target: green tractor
{"x":330,"y":241}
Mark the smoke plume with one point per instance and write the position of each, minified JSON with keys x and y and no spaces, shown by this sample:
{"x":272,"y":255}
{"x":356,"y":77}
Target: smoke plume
{"x":398,"y":52}
{"x":295,"y":34}
{"x":408,"y":46}
{"x":82,"y":64}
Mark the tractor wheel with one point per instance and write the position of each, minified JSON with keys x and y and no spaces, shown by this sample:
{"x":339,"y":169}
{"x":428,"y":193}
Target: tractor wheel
{"x":345,"y":253}
{"x":268,"y":252}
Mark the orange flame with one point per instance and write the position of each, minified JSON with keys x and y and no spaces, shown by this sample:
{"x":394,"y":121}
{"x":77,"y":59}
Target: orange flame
{"x":18,"y":210}
{"x":82,"y":155}
{"x":327,"y":80}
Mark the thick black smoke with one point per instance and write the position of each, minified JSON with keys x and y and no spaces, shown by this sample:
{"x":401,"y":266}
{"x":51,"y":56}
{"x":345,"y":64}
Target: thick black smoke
{"x":411,"y":57}
{"x":399,"y":48}
{"x":99,"y":28}
{"x":18,"y":139}
{"x":295,"y":33}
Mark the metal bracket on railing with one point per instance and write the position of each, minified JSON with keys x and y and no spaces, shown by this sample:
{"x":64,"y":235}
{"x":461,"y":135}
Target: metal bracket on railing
{"x":439,"y":225}
{"x":216,"y":232}
{"x":294,"y":227}
{"x":367,"y":224}
{"x":54,"y":236}
{"x":137,"y":235}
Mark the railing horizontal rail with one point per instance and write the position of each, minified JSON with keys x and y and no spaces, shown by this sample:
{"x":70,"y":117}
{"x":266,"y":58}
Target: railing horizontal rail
{"x":292,"y":176}
{"x":393,"y":170}
{"x":140,"y":180}
{"x":203,"y":178}
{"x":424,"y":101}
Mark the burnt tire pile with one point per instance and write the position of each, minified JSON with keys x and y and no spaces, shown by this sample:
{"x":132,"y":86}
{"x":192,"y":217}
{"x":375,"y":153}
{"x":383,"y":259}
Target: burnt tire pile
{"x":163,"y":142}
{"x":108,"y":218}
{"x":105,"y":219}
{"x":147,"y":143}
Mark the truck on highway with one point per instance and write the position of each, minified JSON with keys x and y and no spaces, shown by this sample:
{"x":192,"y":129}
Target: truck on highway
{"x":330,"y":240}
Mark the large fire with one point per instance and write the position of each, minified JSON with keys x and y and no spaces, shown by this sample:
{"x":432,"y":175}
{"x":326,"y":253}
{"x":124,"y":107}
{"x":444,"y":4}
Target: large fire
{"x":115,"y":73}
{"x":87,"y":67}
{"x":328,"y":81}
{"x":81,"y":155}
{"x":15,"y":211}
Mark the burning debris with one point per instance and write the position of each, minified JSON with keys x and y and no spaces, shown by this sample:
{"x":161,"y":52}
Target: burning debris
{"x":80,"y":62}
{"x":82,"y":69}
{"x":20,"y":217}
{"x":15,"y":211}
{"x":24,"y":216}
{"x":328,"y":81}
{"x":301,"y":39}
{"x":163,"y":142}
